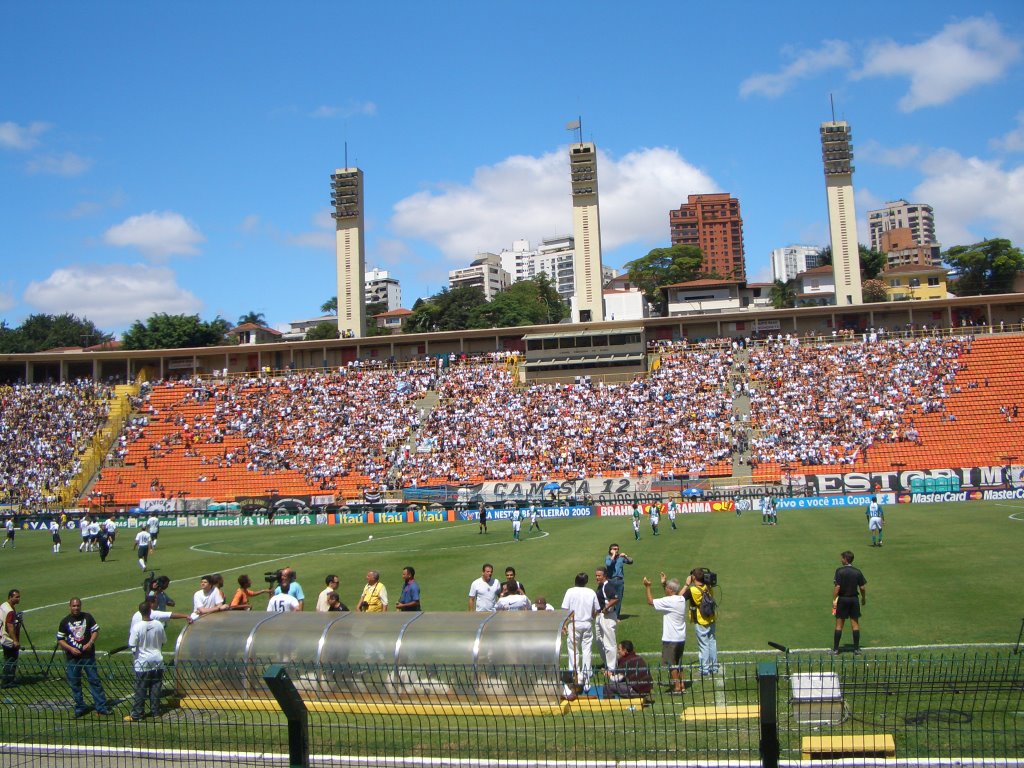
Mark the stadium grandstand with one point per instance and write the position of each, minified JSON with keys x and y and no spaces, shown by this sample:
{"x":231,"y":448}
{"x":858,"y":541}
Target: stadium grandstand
{"x":726,"y":411}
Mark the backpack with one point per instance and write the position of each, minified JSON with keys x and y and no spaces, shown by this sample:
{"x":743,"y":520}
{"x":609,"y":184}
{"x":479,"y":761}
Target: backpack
{"x":707,"y":604}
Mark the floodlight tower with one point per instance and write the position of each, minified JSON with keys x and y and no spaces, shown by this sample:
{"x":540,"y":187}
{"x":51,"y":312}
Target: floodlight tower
{"x":586,"y":227}
{"x":349,"y":249}
{"x":837,"y":155}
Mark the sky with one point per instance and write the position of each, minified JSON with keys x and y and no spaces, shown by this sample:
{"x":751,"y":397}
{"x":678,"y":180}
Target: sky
{"x":176,"y":157}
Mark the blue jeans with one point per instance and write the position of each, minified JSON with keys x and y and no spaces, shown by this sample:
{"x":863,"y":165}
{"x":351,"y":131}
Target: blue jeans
{"x":148,"y":684}
{"x":75,"y":669}
{"x":707,"y":648}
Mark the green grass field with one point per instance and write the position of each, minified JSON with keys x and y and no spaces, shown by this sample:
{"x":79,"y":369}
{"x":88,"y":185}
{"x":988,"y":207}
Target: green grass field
{"x":774,"y":582}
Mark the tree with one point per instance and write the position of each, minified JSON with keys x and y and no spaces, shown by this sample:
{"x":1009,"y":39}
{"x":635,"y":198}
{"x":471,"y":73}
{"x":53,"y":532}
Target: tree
{"x":872,"y":262}
{"x":783,"y":294}
{"x":990,"y":266}
{"x":527,"y":302}
{"x":331,"y":305}
{"x":41,"y":332}
{"x":163,"y":331}
{"x":256,"y":318}
{"x":664,"y":266}
{"x":874,"y":290}
{"x":324,"y":330}
{"x":448,"y":310}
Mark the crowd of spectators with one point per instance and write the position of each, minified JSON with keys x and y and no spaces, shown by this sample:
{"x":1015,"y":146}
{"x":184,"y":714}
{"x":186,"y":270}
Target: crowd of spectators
{"x":677,"y":419}
{"x":43,"y":430}
{"x":828,"y":404}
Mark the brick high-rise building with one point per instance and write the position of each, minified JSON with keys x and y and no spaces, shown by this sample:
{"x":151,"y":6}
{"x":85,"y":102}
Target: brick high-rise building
{"x":713,"y":224}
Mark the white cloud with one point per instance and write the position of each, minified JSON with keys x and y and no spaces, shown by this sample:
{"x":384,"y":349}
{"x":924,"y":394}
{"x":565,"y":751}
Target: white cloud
{"x":321,"y":236}
{"x":112,"y":295}
{"x":7,"y":300}
{"x":389,"y":251}
{"x":66,"y":164}
{"x":973,"y":198}
{"x":900,"y":157}
{"x":157,"y":234}
{"x":352,"y":109}
{"x":14,"y":136}
{"x":251,"y":223}
{"x":962,"y":56}
{"x":805,"y":64}
{"x":528,"y":197}
{"x":1012,"y":141}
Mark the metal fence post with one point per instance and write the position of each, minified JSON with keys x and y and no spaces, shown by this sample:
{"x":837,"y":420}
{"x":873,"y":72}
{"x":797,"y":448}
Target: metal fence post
{"x":767,"y":691}
{"x":294,"y":708}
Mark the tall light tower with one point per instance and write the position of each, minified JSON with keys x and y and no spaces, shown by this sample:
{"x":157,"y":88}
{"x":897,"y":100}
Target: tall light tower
{"x":837,"y":155}
{"x":586,"y":227}
{"x":349,"y":249}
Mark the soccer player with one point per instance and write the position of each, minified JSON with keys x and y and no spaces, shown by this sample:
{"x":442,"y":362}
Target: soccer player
{"x":9,"y":525}
{"x":636,"y":521}
{"x":534,"y":517}
{"x":517,"y":522}
{"x":153,"y":524}
{"x":655,"y":515}
{"x":55,"y":535}
{"x":875,"y":516}
{"x":142,"y":543}
{"x":673,"y":510}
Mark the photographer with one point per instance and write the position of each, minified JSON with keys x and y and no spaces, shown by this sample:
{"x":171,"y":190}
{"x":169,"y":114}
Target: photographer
{"x":615,"y":564}
{"x":10,"y":635}
{"x":374,"y":598}
{"x":698,"y":584}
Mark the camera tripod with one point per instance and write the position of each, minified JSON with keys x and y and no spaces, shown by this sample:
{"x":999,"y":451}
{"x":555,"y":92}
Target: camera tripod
{"x":26,"y":643}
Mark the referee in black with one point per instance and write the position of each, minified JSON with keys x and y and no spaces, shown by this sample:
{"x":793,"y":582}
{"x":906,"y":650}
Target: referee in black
{"x":848,"y":581}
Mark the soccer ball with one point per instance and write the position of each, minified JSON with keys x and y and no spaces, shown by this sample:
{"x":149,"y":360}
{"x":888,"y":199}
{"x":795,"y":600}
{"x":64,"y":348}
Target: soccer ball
{"x":370,"y":537}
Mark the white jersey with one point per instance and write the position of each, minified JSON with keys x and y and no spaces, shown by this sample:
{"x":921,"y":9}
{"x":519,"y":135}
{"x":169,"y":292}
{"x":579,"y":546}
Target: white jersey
{"x":282,"y":602}
{"x":54,"y":526}
{"x":153,"y":524}
{"x":94,"y":529}
{"x":83,"y":526}
{"x":143,"y":539}
{"x":110,"y":526}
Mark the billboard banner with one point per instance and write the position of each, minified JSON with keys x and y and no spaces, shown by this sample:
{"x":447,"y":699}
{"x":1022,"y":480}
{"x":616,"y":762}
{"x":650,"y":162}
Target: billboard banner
{"x":576,"y":510}
{"x":825,"y":502}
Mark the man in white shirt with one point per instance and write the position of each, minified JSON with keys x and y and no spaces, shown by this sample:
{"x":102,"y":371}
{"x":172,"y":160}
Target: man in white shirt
{"x":511,"y":599}
{"x":673,"y":609}
{"x":322,"y":604}
{"x":282,"y":602}
{"x":146,"y":639}
{"x":207,"y":600}
{"x":582,"y":601}
{"x":484,"y":592}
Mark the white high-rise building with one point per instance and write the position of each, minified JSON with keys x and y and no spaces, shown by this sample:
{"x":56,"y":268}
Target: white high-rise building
{"x":554,"y":258}
{"x":588,"y":298}
{"x":899,"y":214}
{"x":484,"y":272}
{"x":349,"y":249}
{"x":837,"y":155}
{"x":790,"y":261}
{"x":380,"y":286}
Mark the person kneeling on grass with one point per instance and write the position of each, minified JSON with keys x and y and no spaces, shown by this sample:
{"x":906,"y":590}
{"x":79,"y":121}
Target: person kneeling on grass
{"x":631,"y":678}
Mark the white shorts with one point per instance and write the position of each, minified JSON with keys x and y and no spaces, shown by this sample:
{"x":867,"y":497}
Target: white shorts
{"x":875,"y":524}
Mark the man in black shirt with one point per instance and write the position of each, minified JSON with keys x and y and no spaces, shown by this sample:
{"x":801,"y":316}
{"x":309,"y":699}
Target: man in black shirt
{"x":76,"y":636}
{"x":848,"y":581}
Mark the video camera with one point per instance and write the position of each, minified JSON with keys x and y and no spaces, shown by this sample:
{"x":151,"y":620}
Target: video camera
{"x":710,"y":578}
{"x":273,"y":577}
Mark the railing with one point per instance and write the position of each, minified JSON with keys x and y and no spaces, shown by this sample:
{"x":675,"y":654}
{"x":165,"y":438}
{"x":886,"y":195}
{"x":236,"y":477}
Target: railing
{"x":957,"y":708}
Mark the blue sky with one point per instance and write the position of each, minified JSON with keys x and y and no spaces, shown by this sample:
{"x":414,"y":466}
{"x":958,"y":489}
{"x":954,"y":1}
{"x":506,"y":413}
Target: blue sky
{"x":176,"y":157}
